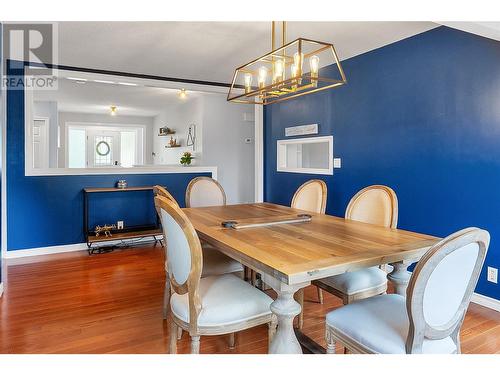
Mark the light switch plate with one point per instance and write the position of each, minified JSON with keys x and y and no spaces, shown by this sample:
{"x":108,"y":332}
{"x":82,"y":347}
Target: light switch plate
{"x":337,"y":163}
{"x":493,"y":275}
{"x":119,"y":225}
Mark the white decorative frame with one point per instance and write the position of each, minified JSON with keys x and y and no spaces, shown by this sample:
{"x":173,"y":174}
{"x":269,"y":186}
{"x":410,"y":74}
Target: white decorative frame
{"x":281,"y":155}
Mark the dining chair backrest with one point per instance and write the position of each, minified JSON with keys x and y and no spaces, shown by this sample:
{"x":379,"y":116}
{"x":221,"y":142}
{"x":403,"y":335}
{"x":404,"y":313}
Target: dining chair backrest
{"x":184,"y":255}
{"x":441,"y":287}
{"x":310,"y":196}
{"x":162,"y":192}
{"x":376,"y":204}
{"x":204,"y":192}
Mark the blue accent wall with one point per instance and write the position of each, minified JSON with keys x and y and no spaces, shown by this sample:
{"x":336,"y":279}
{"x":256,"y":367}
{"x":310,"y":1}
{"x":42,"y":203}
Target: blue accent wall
{"x":48,"y":211}
{"x":421,"y":115}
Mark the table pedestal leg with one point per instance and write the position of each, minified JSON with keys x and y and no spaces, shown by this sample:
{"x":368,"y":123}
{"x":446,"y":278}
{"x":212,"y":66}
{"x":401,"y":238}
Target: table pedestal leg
{"x":400,"y":277}
{"x":286,"y":309}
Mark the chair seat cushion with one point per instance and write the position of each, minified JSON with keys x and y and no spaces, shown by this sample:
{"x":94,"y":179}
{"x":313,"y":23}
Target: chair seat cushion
{"x":217,"y":263}
{"x":381,"y":324}
{"x":357,"y":281}
{"x":225,"y":300}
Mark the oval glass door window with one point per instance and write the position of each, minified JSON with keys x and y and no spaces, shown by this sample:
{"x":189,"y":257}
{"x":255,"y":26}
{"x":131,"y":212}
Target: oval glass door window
{"x":102,"y":148}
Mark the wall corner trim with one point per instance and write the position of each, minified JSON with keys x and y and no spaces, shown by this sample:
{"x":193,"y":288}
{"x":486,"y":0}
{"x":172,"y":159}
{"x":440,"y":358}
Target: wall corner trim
{"x":485,"y":301}
{"x":1,"y":290}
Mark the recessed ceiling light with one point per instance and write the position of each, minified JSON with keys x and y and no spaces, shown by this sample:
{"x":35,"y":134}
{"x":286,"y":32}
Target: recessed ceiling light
{"x":127,"y":84}
{"x":113,"y":110}
{"x":101,"y":81}
{"x":183,"y":94}
{"x":77,"y":79}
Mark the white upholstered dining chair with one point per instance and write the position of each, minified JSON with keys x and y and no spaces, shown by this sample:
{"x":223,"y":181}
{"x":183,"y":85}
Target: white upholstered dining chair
{"x":310,"y":196}
{"x":376,"y":204}
{"x":214,"y":262}
{"x":204,"y":192}
{"x":429,"y":319}
{"x":212,"y":305}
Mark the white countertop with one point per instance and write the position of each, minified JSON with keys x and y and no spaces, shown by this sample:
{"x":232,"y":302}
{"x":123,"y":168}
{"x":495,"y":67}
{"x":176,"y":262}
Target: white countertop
{"x":143,"y":169}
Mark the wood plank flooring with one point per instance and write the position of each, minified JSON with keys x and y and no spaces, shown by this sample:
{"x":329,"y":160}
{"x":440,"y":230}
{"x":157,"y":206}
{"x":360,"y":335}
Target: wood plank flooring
{"x":112,"y":303}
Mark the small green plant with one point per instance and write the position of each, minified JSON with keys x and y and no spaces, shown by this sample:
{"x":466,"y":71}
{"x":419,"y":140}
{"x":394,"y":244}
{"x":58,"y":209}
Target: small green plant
{"x":186,"y":158}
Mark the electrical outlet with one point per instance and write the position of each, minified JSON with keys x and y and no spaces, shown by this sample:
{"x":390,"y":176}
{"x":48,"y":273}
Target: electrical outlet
{"x":119,"y":224}
{"x":493,"y":275}
{"x":337,"y":163}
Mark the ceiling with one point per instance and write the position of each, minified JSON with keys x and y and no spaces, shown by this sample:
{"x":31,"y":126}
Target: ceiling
{"x":487,"y":29}
{"x":94,"y":97}
{"x":208,"y":51}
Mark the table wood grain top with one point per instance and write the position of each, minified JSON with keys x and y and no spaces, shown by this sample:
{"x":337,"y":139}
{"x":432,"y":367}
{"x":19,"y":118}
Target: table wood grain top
{"x":295,"y":253}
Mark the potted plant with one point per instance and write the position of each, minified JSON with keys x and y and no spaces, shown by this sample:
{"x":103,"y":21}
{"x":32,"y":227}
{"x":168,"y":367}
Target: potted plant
{"x":186,"y":158}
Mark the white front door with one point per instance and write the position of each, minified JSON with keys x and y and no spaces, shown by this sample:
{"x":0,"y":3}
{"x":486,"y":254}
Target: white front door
{"x":40,"y":138}
{"x":103,"y":148}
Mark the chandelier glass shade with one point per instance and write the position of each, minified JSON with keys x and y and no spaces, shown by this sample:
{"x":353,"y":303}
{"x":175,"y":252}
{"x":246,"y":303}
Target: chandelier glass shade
{"x":298,"y":68}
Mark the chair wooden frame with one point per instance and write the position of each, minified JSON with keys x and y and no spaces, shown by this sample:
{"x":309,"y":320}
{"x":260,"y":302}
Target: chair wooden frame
{"x":201,"y":178}
{"x":299,"y":296}
{"x":392,"y":196}
{"x":348,"y":298}
{"x":160,"y":191}
{"x":304,"y":185}
{"x":419,"y":328}
{"x":191,"y":287}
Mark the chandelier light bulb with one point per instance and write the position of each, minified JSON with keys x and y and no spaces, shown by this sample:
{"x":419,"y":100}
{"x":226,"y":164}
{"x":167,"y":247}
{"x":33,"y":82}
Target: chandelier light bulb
{"x":314,"y":65}
{"x":298,"y":61}
{"x":278,"y":70}
{"x":248,"y":82}
{"x":262,"y":76}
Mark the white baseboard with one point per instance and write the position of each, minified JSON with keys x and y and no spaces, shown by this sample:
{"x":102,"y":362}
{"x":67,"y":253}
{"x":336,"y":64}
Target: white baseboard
{"x":61,"y":249}
{"x":485,"y":301}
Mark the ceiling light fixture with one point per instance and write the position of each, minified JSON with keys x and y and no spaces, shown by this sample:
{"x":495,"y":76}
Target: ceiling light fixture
{"x":113,"y":110}
{"x":183,"y":94}
{"x":77,"y":79}
{"x":101,"y":81}
{"x":287,"y":72}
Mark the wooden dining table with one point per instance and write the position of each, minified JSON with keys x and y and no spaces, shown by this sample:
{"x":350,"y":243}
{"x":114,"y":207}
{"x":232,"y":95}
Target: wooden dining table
{"x":289,"y":255}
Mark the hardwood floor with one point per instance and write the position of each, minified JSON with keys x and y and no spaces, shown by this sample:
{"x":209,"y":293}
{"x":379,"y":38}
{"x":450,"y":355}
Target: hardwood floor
{"x":112,"y":303}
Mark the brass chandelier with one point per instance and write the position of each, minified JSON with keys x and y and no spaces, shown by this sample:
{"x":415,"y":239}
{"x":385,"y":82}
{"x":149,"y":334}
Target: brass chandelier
{"x":297,"y":68}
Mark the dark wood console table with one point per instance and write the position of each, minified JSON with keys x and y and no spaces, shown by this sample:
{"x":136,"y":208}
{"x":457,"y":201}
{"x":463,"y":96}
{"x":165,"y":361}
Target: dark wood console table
{"x":133,"y":232}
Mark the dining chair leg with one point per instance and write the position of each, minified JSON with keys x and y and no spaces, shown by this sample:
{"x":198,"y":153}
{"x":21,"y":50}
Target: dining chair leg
{"x":166,"y":299}
{"x":320,"y":294}
{"x":195,"y":344}
{"x":299,"y":297}
{"x":330,"y":342}
{"x":173,"y":337}
{"x":272,"y":327}
{"x":179,"y":333}
{"x":232,"y":340}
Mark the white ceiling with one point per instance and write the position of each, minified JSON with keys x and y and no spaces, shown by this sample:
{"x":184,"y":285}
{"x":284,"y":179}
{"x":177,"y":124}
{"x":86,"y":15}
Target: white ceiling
{"x":208,"y":51}
{"x":97,"y":98}
{"x":487,"y":29}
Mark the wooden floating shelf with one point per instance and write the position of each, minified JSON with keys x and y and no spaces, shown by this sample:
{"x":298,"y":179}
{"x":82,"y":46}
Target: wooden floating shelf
{"x":125,"y":235}
{"x":173,"y":146}
{"x":164,"y":134}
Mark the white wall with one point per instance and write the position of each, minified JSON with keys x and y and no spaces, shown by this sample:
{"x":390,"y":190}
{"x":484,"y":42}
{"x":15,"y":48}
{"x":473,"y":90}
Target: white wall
{"x":224,"y":134}
{"x":65,"y":117}
{"x":178,"y":116}
{"x":220,"y":140}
